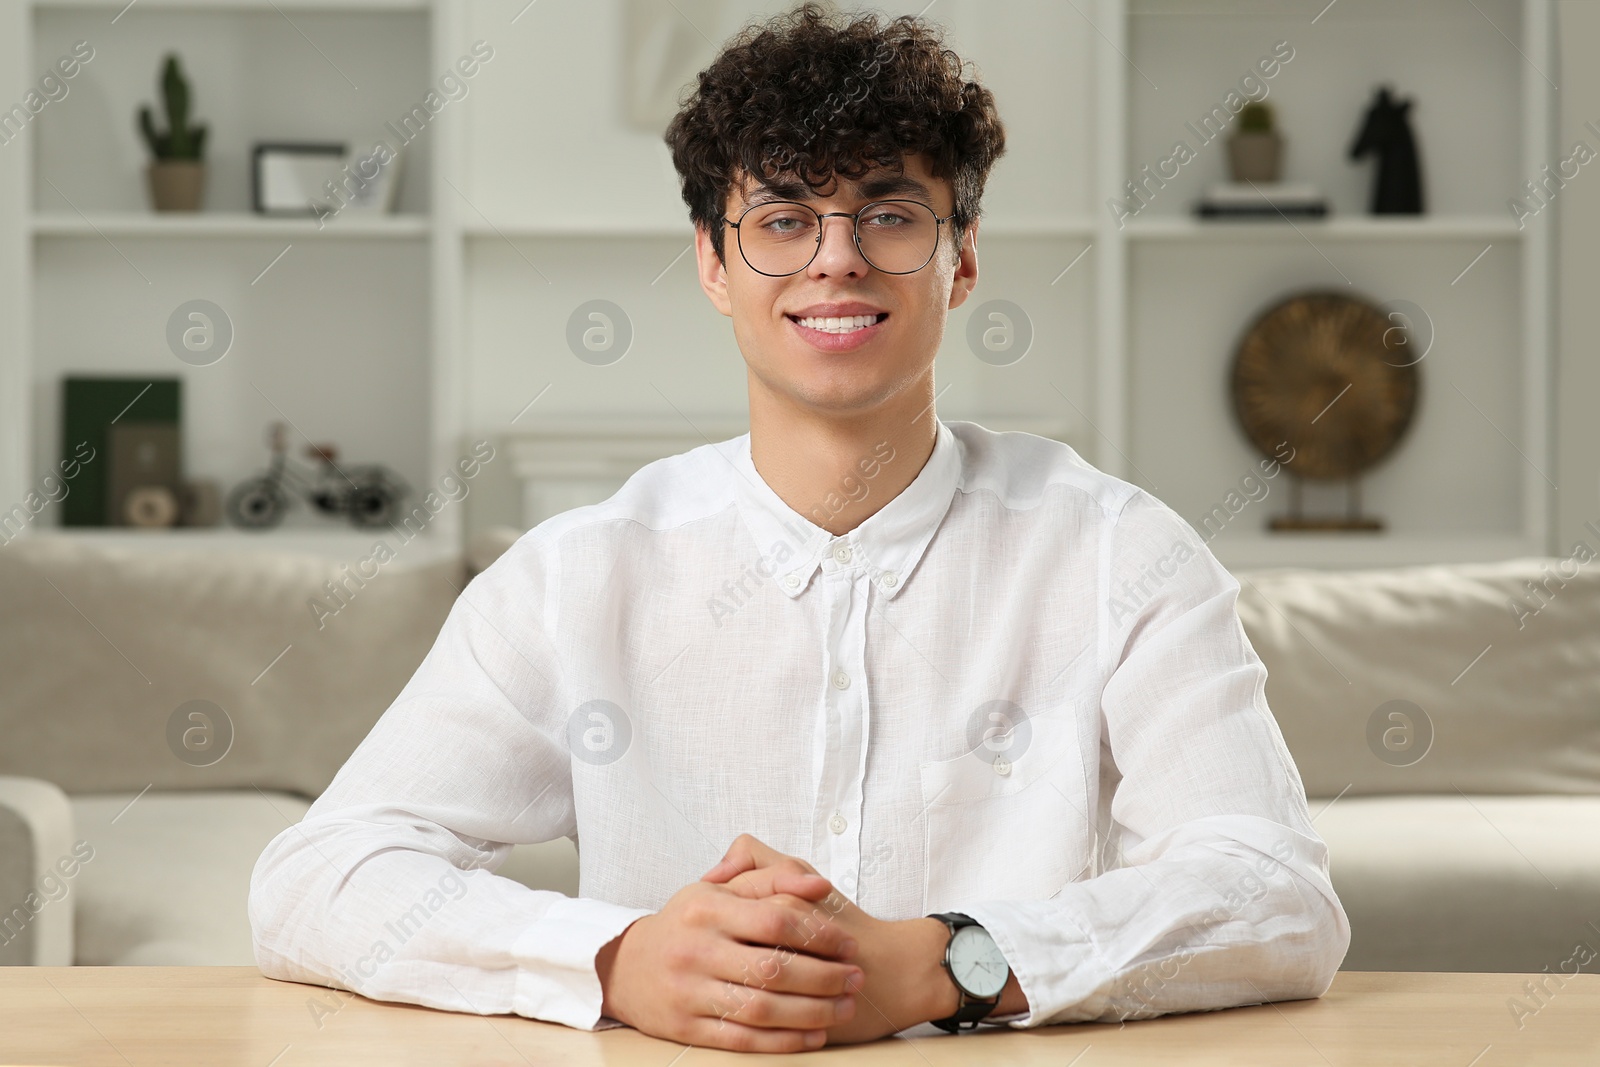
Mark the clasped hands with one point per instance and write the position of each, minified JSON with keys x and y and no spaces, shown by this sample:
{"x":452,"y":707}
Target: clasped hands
{"x":763,"y":954}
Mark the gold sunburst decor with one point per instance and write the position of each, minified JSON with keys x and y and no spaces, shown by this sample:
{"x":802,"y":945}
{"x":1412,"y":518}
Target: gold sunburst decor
{"x":1327,"y":375}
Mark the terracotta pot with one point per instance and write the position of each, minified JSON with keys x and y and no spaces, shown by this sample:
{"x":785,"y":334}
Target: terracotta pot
{"x":1255,"y":157}
{"x":176,"y":184}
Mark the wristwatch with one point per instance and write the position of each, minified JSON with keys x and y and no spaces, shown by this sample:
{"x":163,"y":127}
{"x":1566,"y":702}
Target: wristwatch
{"x":977,"y":968}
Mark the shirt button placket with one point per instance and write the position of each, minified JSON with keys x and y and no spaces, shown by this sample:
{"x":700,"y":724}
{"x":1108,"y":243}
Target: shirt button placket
{"x":850,"y":681}
{"x":844,"y":743}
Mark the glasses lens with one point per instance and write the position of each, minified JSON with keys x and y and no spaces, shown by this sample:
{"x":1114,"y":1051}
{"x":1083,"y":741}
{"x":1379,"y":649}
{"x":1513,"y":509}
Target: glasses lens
{"x":898,"y":236}
{"x":778,"y":238}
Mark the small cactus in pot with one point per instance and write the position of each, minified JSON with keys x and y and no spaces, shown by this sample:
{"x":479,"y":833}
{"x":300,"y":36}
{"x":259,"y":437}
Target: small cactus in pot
{"x":177,"y":171}
{"x":1255,"y":152}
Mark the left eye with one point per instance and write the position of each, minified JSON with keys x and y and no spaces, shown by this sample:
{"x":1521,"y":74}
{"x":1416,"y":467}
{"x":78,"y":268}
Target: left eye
{"x":887,"y":220}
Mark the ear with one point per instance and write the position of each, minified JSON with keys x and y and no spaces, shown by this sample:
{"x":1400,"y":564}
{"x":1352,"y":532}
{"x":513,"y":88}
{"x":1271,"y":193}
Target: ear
{"x":965,"y":278}
{"x":713,"y":274}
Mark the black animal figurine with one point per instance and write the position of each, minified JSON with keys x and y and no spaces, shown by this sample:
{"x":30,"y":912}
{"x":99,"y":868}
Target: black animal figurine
{"x":1397,"y":186}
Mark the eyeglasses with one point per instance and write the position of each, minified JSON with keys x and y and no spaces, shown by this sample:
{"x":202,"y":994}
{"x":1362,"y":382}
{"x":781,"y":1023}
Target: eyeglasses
{"x":782,"y":237}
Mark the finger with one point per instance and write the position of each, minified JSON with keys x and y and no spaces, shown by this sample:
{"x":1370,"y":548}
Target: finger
{"x":713,"y":1032}
{"x":743,"y":855}
{"x":784,"y":970}
{"x":724,"y":869}
{"x":748,"y":853}
{"x":768,"y":881}
{"x":810,"y":928}
{"x":781,"y":1011}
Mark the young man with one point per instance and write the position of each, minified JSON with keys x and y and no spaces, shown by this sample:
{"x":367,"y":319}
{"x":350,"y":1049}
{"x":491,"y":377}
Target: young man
{"x":863,"y":719}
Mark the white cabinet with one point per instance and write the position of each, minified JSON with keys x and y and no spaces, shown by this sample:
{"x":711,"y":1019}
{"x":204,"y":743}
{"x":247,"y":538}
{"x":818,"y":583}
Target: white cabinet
{"x":529,"y":194}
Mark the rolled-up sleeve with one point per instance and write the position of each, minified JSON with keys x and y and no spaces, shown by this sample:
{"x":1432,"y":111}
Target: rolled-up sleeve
{"x":1218,"y":893}
{"x":386,"y":887}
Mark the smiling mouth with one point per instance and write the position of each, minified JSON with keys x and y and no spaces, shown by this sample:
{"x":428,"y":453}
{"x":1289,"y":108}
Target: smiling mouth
{"x":842,"y":325}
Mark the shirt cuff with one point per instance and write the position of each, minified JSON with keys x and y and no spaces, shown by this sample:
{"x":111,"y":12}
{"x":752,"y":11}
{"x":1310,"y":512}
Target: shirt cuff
{"x":556,"y":978}
{"x":1054,"y":959}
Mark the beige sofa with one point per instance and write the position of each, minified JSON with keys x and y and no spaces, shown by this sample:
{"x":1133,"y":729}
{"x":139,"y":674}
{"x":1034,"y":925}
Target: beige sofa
{"x":102,"y":648}
{"x":1484,"y":854}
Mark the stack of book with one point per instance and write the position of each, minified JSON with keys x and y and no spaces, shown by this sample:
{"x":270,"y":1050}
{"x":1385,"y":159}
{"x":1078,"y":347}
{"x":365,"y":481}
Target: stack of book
{"x":1262,"y":200}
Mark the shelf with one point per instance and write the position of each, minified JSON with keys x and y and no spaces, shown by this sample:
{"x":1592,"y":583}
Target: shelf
{"x":577,"y":229}
{"x":222,"y":224}
{"x":1447,"y":228}
{"x":1259,"y":551}
{"x":1083,"y":228}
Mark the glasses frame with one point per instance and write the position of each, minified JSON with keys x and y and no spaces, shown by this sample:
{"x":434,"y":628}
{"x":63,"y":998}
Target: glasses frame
{"x":855,"y":233}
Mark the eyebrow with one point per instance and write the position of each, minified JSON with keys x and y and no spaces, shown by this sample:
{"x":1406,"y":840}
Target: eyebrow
{"x":875,"y":188}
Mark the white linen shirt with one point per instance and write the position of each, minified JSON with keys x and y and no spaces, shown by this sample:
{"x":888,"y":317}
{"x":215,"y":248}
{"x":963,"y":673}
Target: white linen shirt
{"x":1019,"y":690}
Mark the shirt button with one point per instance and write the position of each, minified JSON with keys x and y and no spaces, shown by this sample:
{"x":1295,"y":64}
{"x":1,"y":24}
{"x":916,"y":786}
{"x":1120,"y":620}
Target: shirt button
{"x":889,"y":581}
{"x":791,"y":580}
{"x":836,"y":824}
{"x":842,"y":553}
{"x":1002,"y":766}
{"x":841,"y":680}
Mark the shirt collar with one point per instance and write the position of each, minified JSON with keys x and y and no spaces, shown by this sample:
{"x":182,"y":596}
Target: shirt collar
{"x":886,"y":546}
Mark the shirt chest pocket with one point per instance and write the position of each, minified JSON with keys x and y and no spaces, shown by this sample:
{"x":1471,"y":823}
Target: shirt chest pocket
{"x":1014,"y":829}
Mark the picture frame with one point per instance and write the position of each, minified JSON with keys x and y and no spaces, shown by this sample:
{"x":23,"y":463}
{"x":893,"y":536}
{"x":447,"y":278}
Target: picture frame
{"x":288,"y":177}
{"x":144,"y":473}
{"x":374,"y":184}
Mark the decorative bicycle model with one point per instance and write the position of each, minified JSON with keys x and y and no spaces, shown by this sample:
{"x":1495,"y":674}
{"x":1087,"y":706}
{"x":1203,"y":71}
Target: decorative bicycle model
{"x":369,"y":496}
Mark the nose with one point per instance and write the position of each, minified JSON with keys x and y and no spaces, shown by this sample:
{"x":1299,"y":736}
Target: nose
{"x":839,"y":257}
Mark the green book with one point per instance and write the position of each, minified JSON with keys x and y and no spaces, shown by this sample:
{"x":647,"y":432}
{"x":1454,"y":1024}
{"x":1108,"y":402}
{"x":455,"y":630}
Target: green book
{"x":88,"y":406}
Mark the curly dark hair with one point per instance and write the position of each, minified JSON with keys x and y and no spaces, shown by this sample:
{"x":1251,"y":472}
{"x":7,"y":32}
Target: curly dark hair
{"x":805,"y":96}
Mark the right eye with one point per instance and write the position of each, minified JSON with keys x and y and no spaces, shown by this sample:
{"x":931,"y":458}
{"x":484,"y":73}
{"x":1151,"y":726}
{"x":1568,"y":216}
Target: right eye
{"x":781,"y":220}
{"x":784,"y":224}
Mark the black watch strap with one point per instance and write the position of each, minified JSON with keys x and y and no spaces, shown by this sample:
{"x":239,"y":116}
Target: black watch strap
{"x":971,"y":1009}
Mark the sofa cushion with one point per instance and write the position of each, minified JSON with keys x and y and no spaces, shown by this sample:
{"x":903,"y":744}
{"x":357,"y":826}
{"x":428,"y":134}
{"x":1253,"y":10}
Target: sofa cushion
{"x":1466,"y":883}
{"x":100,"y":647}
{"x":170,"y":876}
{"x":489,"y":545}
{"x":171,"y":873}
{"x":1507,"y":676}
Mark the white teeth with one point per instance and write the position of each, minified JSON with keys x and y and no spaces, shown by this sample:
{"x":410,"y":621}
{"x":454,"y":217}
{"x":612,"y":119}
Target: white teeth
{"x":839,"y":325}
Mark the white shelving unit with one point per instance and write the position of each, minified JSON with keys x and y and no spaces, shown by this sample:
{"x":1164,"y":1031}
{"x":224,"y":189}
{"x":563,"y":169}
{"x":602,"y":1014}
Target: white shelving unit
{"x":403,"y":338}
{"x":224,"y":224}
{"x":341,"y":329}
{"x":1469,"y":481}
{"x":1490,"y":228}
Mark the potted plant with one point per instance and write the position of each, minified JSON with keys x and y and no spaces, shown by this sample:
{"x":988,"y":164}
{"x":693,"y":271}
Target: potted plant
{"x":177,"y":173}
{"x":1255,"y":152}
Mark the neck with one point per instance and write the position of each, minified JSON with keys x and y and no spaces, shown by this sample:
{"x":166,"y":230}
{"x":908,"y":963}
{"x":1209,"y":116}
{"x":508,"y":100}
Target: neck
{"x":839,"y":472}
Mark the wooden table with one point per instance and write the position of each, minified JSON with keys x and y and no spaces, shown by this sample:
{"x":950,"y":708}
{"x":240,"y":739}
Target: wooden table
{"x":227,"y":1016}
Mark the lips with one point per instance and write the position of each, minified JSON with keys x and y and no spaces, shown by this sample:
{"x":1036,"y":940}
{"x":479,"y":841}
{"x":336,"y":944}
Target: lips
{"x":835,"y":309}
{"x":839,"y":323}
{"x":839,"y":334}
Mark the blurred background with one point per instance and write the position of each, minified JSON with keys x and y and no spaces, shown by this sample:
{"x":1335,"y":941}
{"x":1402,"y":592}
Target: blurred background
{"x":307,"y":309}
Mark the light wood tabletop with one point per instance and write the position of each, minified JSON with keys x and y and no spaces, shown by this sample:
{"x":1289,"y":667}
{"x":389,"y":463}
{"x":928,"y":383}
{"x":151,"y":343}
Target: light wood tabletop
{"x":233,"y":1017}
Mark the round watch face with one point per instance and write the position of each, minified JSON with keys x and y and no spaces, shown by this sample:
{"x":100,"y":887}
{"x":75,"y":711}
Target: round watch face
{"x":976,"y":962}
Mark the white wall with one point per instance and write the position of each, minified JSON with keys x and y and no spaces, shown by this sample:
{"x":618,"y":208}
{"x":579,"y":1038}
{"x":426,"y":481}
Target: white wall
{"x":14,"y":288}
{"x":1578,"y":278}
{"x":549,"y":145}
